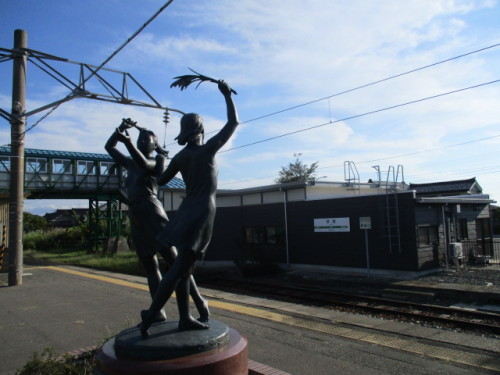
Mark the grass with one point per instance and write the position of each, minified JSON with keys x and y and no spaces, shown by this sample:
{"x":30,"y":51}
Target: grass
{"x":48,"y":362}
{"x":126,"y":263}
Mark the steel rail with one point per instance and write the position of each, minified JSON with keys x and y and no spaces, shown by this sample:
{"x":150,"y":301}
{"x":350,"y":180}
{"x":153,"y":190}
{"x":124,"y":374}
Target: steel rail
{"x":413,"y":311}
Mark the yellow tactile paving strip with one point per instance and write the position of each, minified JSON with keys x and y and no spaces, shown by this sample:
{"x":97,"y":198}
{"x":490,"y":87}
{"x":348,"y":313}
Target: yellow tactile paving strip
{"x":412,"y":346}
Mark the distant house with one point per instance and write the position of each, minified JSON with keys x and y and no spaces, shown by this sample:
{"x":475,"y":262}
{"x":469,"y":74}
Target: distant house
{"x":66,"y":218}
{"x":447,"y":188}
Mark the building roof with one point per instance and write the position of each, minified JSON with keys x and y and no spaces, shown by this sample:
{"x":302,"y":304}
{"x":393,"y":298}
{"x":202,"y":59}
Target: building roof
{"x":458,"y":199}
{"x":5,"y":150}
{"x":468,"y":186}
{"x":174,"y":183}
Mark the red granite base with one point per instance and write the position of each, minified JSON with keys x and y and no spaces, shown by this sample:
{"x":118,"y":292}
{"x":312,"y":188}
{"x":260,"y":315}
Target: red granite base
{"x":230,"y":359}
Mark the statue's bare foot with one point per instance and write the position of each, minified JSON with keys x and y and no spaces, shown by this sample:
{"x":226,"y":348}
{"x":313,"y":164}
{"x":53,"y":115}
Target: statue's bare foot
{"x":161,"y":316}
{"x":145,"y":324}
{"x":191,"y":324}
{"x":204,"y":312}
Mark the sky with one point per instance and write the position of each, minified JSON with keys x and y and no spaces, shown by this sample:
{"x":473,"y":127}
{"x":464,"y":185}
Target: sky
{"x":378,"y":83}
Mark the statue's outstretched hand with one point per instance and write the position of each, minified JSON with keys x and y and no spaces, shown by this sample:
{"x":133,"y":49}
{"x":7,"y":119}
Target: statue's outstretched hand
{"x":127,"y":123}
{"x":121,"y":136}
{"x":224,"y":88}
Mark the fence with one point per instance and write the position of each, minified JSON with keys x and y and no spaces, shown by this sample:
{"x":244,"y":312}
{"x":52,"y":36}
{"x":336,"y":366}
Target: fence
{"x":485,"y":251}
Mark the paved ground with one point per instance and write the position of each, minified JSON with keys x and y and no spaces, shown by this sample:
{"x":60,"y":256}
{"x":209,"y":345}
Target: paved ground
{"x":70,"y":308}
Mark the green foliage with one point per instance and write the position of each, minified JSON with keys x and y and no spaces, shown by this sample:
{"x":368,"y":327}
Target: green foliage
{"x":33,"y":223}
{"x":297,"y":171}
{"x":126,"y":263}
{"x":49,"y":363}
{"x":70,"y":238}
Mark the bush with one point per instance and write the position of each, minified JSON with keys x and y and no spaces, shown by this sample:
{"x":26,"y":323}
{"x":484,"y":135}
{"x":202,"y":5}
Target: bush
{"x":56,"y":239}
{"x":49,"y":363}
{"x":33,"y":223}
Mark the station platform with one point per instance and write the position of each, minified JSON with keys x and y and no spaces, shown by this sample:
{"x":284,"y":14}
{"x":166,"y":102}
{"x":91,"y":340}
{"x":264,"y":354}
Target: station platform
{"x":70,"y":308}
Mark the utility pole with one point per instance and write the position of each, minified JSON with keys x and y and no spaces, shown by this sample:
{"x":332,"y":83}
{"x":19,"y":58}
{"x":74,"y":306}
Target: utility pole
{"x":16,"y":199}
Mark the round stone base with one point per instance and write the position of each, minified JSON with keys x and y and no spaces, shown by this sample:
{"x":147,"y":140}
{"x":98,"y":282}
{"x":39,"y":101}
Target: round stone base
{"x":166,"y":342}
{"x":229,"y":358}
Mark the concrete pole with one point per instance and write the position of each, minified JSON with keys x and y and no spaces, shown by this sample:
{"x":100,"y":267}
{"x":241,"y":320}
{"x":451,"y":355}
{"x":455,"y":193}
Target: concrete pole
{"x":16,"y":199}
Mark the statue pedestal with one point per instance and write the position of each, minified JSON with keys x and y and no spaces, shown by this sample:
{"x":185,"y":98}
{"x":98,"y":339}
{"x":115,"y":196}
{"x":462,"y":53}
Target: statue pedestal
{"x":218,"y":350}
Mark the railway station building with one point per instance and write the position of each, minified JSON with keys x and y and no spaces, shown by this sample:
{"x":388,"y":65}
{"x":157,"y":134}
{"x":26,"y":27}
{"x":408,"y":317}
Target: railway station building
{"x":398,"y":227}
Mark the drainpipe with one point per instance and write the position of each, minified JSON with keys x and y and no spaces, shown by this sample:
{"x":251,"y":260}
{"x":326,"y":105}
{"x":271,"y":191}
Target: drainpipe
{"x":445,"y":235}
{"x":286,"y":228}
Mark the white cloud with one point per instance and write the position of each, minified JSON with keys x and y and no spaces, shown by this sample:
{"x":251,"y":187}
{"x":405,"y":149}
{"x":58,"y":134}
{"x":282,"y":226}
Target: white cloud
{"x":279,"y":54}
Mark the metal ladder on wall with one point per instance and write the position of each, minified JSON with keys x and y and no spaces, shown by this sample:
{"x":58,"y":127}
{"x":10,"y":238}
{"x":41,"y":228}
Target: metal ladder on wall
{"x":391,"y":209}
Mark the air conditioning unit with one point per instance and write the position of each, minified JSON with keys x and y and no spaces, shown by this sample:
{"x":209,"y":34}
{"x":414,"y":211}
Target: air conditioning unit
{"x":456,"y":250}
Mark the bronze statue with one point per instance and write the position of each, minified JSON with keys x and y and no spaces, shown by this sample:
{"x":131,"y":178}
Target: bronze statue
{"x":190,"y":229}
{"x":146,"y":212}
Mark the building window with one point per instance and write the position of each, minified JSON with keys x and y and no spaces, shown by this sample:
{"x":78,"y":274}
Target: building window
{"x":34,"y":165}
{"x":427,"y":235}
{"x":107,"y":168}
{"x":62,"y":166}
{"x":463,"y":232}
{"x":265,"y":235}
{"x":4,"y":163}
{"x":86,"y":167}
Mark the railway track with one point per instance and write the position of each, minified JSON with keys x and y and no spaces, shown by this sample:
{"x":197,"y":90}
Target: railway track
{"x":422,"y":313}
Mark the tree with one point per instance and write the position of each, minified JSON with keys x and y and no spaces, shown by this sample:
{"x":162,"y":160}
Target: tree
{"x":297,"y":171}
{"x":32,"y":223}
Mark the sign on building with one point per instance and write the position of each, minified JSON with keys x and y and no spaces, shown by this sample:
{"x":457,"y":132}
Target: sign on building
{"x":365,"y":222}
{"x":338,"y":224}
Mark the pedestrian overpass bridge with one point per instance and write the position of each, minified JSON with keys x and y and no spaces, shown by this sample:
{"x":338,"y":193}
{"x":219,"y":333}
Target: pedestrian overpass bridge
{"x":51,"y":174}
{"x":63,"y":174}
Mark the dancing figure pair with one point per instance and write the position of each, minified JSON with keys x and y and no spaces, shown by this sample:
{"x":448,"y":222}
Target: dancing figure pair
{"x":146,"y":213}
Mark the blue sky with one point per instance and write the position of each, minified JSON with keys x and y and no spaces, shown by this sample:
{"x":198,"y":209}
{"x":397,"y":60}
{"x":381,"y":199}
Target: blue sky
{"x":280,"y":54}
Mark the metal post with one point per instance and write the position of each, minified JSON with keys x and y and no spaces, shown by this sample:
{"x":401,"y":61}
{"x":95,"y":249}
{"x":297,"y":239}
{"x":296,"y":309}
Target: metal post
{"x":17,"y":159}
{"x":367,"y":253}
{"x":286,"y":229}
{"x":445,"y":236}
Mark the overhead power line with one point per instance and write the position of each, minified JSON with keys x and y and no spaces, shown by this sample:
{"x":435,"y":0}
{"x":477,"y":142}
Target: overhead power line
{"x":94,"y":72}
{"x":363,"y":114}
{"x":388,"y":158}
{"x":419,"y":152}
{"x":374,"y":83}
{"x":363,"y":86}
{"x":128,"y":40}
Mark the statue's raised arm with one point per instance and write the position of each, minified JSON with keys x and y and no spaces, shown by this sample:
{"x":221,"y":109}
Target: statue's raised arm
{"x":227,"y":131}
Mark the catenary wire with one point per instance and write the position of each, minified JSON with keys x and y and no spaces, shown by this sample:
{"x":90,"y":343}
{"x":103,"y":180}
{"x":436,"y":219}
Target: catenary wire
{"x":362,"y":86}
{"x":164,"y":6}
{"x":374,"y":82}
{"x":363,"y":114}
{"x":385,"y":158}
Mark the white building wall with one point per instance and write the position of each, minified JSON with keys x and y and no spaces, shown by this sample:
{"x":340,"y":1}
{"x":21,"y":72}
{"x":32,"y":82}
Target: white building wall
{"x":228,"y":201}
{"x":273,"y":197}
{"x":171,"y":199}
{"x":317,"y":192}
{"x":249,"y":199}
{"x":295,"y":195}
